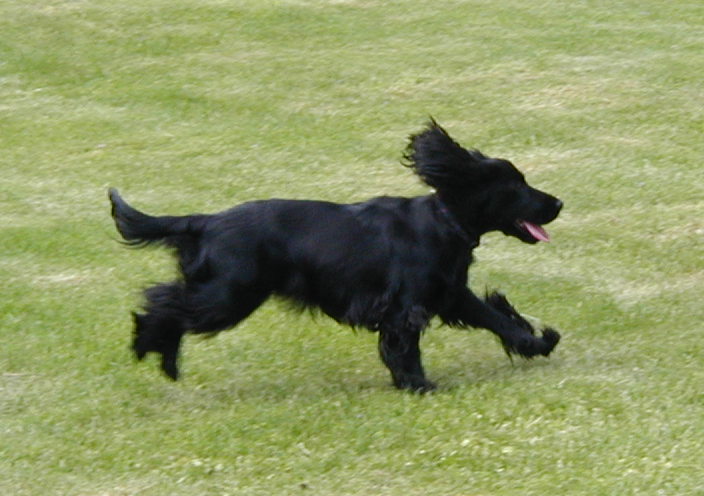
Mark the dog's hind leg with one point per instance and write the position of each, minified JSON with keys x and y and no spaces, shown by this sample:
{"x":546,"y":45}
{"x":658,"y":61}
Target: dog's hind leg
{"x":216,"y":308}
{"x":162,"y":326}
{"x":172,"y":310}
{"x":399,"y":347}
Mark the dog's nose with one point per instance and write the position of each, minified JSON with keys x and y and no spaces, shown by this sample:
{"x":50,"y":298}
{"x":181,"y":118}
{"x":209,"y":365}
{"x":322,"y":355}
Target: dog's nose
{"x":558,"y":205}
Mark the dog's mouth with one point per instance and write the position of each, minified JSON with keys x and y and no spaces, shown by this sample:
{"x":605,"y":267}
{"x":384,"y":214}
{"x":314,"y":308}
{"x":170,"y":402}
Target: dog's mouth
{"x":533,"y":232}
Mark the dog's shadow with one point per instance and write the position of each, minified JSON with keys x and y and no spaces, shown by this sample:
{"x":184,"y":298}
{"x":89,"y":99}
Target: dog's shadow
{"x":453,"y":378}
{"x":249,"y":382}
{"x":459,"y":361}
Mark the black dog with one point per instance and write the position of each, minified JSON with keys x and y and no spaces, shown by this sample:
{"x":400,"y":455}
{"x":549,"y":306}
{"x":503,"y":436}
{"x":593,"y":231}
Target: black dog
{"x":387,"y":264}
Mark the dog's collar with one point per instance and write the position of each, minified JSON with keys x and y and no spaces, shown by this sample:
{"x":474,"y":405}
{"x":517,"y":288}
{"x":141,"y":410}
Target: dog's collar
{"x":455,"y":225}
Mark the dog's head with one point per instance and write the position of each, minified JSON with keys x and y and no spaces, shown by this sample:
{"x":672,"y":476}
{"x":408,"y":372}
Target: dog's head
{"x":483,"y":193}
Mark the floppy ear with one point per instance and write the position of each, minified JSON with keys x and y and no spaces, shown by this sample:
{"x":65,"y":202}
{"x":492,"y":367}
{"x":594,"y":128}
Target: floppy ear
{"x":440,"y":161}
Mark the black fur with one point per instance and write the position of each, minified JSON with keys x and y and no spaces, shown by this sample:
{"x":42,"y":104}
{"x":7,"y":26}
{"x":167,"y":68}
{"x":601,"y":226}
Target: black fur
{"x":388,"y":264}
{"x":499,"y":302}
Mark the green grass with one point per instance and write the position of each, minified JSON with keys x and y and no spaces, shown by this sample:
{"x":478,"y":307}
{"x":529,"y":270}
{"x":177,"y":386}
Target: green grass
{"x":196,"y":105}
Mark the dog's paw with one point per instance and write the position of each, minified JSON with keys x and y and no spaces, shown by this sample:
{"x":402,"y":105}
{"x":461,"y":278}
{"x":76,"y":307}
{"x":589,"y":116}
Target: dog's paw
{"x":427,"y":387}
{"x":550,"y":339}
{"x":416,"y":385}
{"x":529,"y":346}
{"x":169,"y":366}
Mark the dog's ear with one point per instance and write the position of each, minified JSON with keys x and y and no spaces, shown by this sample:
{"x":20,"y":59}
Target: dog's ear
{"x":440,"y":161}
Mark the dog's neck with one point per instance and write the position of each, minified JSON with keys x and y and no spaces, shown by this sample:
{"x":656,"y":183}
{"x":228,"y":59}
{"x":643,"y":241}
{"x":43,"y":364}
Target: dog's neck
{"x":469,"y":237}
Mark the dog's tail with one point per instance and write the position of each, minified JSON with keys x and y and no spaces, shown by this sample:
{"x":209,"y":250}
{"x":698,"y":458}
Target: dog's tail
{"x":140,"y":229}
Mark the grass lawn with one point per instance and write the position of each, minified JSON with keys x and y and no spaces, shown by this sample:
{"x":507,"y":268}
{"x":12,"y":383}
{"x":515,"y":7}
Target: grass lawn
{"x":189,"y":105}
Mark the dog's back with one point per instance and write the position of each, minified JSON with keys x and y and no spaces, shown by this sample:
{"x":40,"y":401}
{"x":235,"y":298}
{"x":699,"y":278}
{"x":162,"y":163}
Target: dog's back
{"x":342,"y":258}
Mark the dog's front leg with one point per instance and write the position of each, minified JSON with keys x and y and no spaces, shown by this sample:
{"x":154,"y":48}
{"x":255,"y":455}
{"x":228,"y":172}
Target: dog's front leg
{"x":469,"y":310}
{"x":400,"y":352}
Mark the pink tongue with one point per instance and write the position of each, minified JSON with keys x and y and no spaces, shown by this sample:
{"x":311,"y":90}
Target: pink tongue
{"x":536,"y":231}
